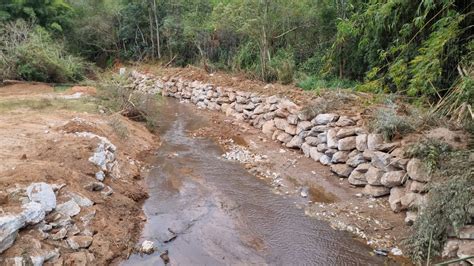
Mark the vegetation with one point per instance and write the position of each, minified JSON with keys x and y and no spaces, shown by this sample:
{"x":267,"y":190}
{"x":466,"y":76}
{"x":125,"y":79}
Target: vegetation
{"x":430,"y":151}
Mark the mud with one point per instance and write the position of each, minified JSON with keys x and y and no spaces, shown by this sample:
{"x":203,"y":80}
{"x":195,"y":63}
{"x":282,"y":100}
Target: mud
{"x":205,"y":210}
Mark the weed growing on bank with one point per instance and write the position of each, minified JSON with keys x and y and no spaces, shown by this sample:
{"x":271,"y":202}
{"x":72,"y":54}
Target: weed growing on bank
{"x":430,"y":151}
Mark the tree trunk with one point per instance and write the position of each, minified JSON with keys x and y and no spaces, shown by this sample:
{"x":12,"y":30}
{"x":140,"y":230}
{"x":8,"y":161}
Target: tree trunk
{"x":158,"y":47}
{"x":151,"y":35}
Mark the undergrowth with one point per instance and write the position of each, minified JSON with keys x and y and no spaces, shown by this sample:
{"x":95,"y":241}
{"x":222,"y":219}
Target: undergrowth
{"x":450,"y":198}
{"x":389,"y":123}
{"x":430,"y":151}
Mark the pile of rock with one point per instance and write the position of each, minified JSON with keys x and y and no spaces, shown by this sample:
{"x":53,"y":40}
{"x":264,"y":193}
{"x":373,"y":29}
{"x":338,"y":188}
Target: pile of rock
{"x":338,"y":141}
{"x":39,"y":202}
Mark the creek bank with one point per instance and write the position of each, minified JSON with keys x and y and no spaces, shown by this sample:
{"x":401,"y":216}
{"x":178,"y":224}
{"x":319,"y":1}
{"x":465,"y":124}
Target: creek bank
{"x":67,"y":179}
{"x":341,"y":141}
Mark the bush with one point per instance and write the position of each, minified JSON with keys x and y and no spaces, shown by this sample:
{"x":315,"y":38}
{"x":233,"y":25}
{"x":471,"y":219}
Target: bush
{"x":450,"y":199}
{"x":387,"y":122}
{"x":30,"y":53}
{"x":317,"y":83}
{"x":430,"y":151}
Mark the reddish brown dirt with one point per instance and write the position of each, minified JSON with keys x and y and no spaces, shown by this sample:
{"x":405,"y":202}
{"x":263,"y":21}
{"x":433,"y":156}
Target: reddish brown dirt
{"x":40,"y":146}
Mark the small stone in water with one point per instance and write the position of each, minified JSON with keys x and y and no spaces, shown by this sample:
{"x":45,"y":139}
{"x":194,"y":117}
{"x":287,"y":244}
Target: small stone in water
{"x":147,"y":247}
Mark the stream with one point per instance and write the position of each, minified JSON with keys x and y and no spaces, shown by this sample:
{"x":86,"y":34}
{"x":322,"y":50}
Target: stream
{"x":205,"y":210}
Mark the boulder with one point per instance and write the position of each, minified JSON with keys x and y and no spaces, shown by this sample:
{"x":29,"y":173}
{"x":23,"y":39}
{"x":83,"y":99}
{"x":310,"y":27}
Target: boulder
{"x":61,"y":234}
{"x":374,"y":176}
{"x":323,"y":119}
{"x":292,"y":119}
{"x":467,"y":232}
{"x":375,"y":191}
{"x":332,"y":140}
{"x":395,"y":198}
{"x":77,"y":242}
{"x":393,"y":178}
{"x":291,"y":129}
{"x":373,"y":141}
{"x":284,"y":137}
{"x":418,"y":171}
{"x":315,"y":154}
{"x":81,"y":200}
{"x":342,"y":170}
{"x":322,"y":147}
{"x":9,"y":226}
{"x":340,"y":157}
{"x":344,"y":121}
{"x":450,"y":248}
{"x":345,"y":132}
{"x":302,"y":126}
{"x":330,"y":152}
{"x":69,"y":208}
{"x":347,"y":144}
{"x":295,"y":142}
{"x":417,"y":187}
{"x":466,"y":249}
{"x":43,"y":194}
{"x":357,"y":178}
{"x":381,"y":160}
{"x":305,"y":147}
{"x":33,"y":212}
{"x":281,"y":123}
{"x":323,"y":137}
{"x":355,"y":160}
{"x":410,"y":217}
{"x":325,"y":160}
{"x":313,"y":141}
{"x":362,"y":168}
{"x":413,"y":200}
{"x":147,"y":247}
{"x":361,"y":142}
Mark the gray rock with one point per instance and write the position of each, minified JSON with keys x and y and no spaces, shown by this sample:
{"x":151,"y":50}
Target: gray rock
{"x":304,"y":115}
{"x":466,"y":249}
{"x":347,"y":144}
{"x":388,"y":147}
{"x":413,"y":200}
{"x":323,"y":137}
{"x":417,"y":187}
{"x":313,"y":141}
{"x":340,"y":157}
{"x":100,"y":176}
{"x":410,"y":217}
{"x":374,"y":176}
{"x":9,"y":226}
{"x":33,"y":212}
{"x":344,"y":121}
{"x":268,"y":127}
{"x":43,"y":194}
{"x":295,"y":142}
{"x":345,"y":132}
{"x":323,"y":119}
{"x":291,"y":129}
{"x":362,"y":168}
{"x":281,"y":123}
{"x":292,"y":119}
{"x":450,"y":248}
{"x":361,"y":142}
{"x":395,"y":198}
{"x":393,"y":178}
{"x":322,"y":147}
{"x":305,"y":147}
{"x":381,"y":160}
{"x":375,"y":191}
{"x":357,"y":178}
{"x":417,"y":171}
{"x":302,"y":126}
{"x":77,"y":242}
{"x":373,"y":141}
{"x":330,"y":152}
{"x":332,"y":140}
{"x":69,"y":208}
{"x":284,"y":137}
{"x":325,"y":160}
{"x":467,"y":232}
{"x":81,"y":200}
{"x":342,"y":170}
{"x":355,"y":160}
{"x":61,"y":234}
{"x":315,"y":154}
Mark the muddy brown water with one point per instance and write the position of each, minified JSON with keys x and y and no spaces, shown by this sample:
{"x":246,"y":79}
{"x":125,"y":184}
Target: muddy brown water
{"x":205,"y":210}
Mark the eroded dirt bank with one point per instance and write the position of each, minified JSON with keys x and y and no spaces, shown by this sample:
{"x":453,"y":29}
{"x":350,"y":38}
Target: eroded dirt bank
{"x":70,"y":188}
{"x":208,"y":209}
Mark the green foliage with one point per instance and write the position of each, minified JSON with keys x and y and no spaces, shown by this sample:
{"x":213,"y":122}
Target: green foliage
{"x":430,"y":151}
{"x":448,"y":207}
{"x":316,"y":83}
{"x":387,"y":122}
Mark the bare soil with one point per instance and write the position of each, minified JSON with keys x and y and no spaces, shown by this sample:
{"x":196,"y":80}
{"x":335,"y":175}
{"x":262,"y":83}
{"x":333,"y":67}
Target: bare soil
{"x":39,"y":145}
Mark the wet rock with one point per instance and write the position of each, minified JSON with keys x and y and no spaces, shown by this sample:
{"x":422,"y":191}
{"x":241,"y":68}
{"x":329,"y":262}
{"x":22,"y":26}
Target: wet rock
{"x":315,"y":154}
{"x":376,"y":191}
{"x":355,"y":160}
{"x":395,"y":198}
{"x":302,"y":126}
{"x":345,"y":132}
{"x":95,"y":186}
{"x":323,"y":119}
{"x":410,"y":217}
{"x":9,"y":226}
{"x":342,"y":170}
{"x":69,"y":208}
{"x":295,"y":142}
{"x":313,"y":141}
{"x":361,"y":142}
{"x":347,"y":144}
{"x":147,"y":247}
{"x":332,"y":140}
{"x":268,"y":127}
{"x":393,"y":178}
{"x":340,"y":157}
{"x":324,"y":159}
{"x":373,"y":141}
{"x":417,"y":171}
{"x":357,"y":178}
{"x":77,"y":242}
{"x":61,"y":234}
{"x":374,"y":176}
{"x":43,"y":194}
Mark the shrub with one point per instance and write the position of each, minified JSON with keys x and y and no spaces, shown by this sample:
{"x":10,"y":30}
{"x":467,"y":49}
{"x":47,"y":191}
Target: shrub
{"x":450,"y":198}
{"x":317,"y":83}
{"x":387,"y":122}
{"x":430,"y":151}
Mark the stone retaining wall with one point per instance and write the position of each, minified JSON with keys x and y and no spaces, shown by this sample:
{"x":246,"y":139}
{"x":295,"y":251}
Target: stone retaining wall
{"x":335,"y":140}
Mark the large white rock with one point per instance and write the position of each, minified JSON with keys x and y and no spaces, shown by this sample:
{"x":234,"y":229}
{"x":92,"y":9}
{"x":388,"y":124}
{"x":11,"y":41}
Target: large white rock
{"x":69,"y":208}
{"x":33,"y":212}
{"x":347,"y":144}
{"x":323,"y":119}
{"x":9,"y":226}
{"x":43,"y":194}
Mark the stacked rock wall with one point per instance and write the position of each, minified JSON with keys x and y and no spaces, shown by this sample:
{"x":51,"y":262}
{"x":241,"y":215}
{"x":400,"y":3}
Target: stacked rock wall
{"x":336,"y":140}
